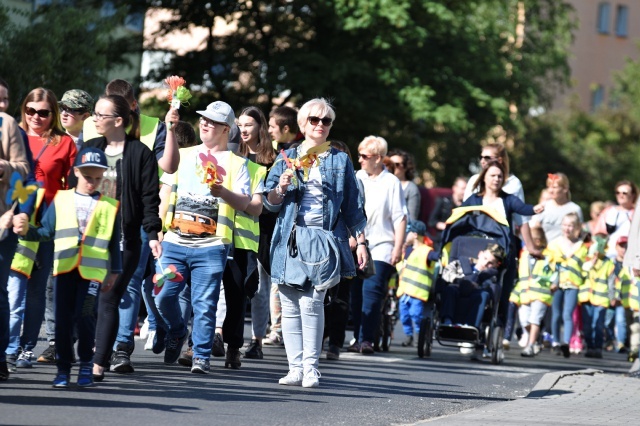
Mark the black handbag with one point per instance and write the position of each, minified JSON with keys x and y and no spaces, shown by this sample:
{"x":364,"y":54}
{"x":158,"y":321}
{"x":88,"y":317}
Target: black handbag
{"x":369,"y":269}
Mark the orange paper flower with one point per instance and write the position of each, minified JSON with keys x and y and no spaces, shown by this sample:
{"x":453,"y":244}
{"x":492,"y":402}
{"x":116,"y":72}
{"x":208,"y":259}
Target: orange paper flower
{"x":213,"y":172}
{"x":173,"y":82}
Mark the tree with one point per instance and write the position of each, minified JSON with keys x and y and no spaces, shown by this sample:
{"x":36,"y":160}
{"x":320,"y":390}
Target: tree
{"x":67,"y":47}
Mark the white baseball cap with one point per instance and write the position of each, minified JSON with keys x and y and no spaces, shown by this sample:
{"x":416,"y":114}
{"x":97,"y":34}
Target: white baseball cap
{"x":219,"y":111}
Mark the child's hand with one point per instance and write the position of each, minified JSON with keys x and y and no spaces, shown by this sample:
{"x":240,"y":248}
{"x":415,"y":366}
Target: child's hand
{"x":156,"y":248}
{"x":21,"y":224}
{"x":6,"y":219}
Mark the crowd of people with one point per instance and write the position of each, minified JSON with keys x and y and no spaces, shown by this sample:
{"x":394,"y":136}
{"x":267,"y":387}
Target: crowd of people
{"x":107,"y":213}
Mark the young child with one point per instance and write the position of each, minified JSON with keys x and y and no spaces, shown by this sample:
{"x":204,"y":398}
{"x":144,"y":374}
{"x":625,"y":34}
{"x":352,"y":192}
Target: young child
{"x":87,"y":254}
{"x":594,"y":297}
{"x":535,"y":277}
{"x":619,"y":298}
{"x":567,"y":254}
{"x":415,"y":280}
{"x":472,"y":283}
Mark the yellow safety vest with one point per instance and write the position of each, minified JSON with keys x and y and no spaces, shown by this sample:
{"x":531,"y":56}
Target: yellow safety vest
{"x":634,"y":295}
{"x":226,"y":213}
{"x":518,"y":292}
{"x":91,"y":254}
{"x":247,"y":228}
{"x":597,"y":284}
{"x":416,"y":278}
{"x":570,"y":270}
{"x":26,"y":251}
{"x":535,"y":279}
{"x":624,"y":280}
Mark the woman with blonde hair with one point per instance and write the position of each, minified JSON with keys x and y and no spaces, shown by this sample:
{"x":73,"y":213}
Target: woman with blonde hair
{"x":557,"y":207}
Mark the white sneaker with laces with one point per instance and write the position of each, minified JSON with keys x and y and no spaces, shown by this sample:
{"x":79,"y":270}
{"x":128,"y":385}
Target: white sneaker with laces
{"x":293,"y":378}
{"x":310,"y":379}
{"x":144,"y":330}
{"x":149,"y":344}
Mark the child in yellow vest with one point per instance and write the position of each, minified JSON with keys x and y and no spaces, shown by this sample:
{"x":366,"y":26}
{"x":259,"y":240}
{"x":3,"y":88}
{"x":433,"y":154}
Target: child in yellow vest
{"x":616,"y":316}
{"x":535,"y":277}
{"x":594,"y":297}
{"x":416,"y":279}
{"x":87,"y":254}
{"x":567,"y":254}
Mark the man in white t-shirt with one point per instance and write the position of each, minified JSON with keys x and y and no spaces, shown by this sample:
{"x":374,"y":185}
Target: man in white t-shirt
{"x":210,"y":184}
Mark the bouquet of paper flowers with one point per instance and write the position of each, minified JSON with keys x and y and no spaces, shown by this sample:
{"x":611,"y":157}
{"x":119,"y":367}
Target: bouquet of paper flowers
{"x":212,"y":172}
{"x":310,"y":159}
{"x":177,"y":94}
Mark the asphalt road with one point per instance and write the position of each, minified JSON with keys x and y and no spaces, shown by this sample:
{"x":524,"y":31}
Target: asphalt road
{"x":390,"y":388}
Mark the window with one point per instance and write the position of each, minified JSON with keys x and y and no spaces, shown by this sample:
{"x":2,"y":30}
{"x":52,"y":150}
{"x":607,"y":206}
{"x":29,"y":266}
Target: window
{"x":604,"y":10}
{"x":597,"y":97}
{"x":621,"y":21}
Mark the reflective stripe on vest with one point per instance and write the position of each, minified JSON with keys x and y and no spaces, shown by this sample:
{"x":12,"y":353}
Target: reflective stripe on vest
{"x":91,"y":254}
{"x":26,"y":251}
{"x":538,"y":275}
{"x":624,"y":281}
{"x":416,"y":278}
{"x":570,"y":270}
{"x":598,"y":282}
{"x":226,"y":213}
{"x":247,"y":228}
{"x":634,"y":295}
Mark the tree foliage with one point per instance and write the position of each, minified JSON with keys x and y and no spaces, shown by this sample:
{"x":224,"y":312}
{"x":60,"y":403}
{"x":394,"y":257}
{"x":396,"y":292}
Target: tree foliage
{"x":66,"y":47}
{"x":430,"y":76}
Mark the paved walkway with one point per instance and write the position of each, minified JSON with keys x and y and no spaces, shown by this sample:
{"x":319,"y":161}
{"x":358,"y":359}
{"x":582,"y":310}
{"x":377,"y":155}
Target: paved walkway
{"x":585,"y":397}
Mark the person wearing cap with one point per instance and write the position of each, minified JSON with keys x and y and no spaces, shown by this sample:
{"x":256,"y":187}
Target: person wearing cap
{"x":210,"y":185}
{"x":75,"y":108}
{"x":415,"y":280}
{"x":132,"y":179}
{"x":87,"y":247}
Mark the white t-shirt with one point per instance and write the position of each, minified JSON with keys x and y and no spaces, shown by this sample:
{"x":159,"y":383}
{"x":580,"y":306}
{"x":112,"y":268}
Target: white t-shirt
{"x":385,"y":207}
{"x":311,"y":204}
{"x":620,"y":220}
{"x":196,"y":208}
{"x":551,"y":218}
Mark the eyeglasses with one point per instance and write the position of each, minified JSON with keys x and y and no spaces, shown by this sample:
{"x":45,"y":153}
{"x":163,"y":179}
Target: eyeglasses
{"x":366,"y":156}
{"x":99,"y":116}
{"x":42,"y":113}
{"x":210,"y":123}
{"x":399,"y":164}
{"x":72,"y":110}
{"x":622,"y":193}
{"x":326,"y":121}
{"x":486,"y":158}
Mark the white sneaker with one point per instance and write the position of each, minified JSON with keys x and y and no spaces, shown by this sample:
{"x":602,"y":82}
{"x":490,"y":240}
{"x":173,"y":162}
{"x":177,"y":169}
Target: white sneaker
{"x":524,"y":339}
{"x":506,"y":344}
{"x":467,"y":348}
{"x":144,"y":330}
{"x":310,"y":379}
{"x":293,"y":378}
{"x":149,"y":344}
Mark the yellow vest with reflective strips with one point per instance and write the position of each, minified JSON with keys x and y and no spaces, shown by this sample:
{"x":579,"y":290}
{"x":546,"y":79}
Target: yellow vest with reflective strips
{"x":26,"y":251}
{"x":416,"y":278}
{"x":624,"y":280}
{"x":570,"y":270}
{"x":597,"y":284}
{"x":246,"y":234}
{"x":91,"y":254}
{"x":634,"y":294}
{"x":535,"y":279}
{"x":226,"y":213}
{"x":518,"y":294}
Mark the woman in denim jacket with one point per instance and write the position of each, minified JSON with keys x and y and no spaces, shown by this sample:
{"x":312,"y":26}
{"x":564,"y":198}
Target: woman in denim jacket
{"x":314,"y":187}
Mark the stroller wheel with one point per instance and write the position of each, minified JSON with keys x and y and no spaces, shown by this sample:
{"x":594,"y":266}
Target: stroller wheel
{"x":497,"y":351}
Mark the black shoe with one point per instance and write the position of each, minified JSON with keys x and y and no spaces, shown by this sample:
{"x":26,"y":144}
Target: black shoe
{"x":4,"y":371}
{"x":254,"y":351}
{"x":333,"y":352}
{"x":564,"y":348}
{"x":159,"y":340}
{"x":173,"y":349}
{"x":218,"y":346}
{"x":48,"y":355}
{"x":121,"y":361}
{"x":186,"y":358}
{"x":408,"y":341}
{"x":11,"y":363}
{"x":233,"y":358}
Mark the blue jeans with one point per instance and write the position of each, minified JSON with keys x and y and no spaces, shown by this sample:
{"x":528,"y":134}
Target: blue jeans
{"x":17,"y":289}
{"x":410,"y":314}
{"x":7,"y":249}
{"x":562,"y":307}
{"x":130,"y":302}
{"x":616,"y":316}
{"x":593,"y":325}
{"x":36,"y":296}
{"x":203,"y":268}
{"x":366,"y":302}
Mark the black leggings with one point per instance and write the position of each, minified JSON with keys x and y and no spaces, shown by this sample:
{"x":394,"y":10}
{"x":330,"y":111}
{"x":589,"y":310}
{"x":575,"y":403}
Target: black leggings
{"x":235,"y":294}
{"x":336,"y":312}
{"x":108,"y":303}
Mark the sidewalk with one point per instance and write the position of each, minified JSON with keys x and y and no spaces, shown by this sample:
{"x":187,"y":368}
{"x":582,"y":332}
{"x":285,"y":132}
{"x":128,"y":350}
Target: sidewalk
{"x":584,"y":397}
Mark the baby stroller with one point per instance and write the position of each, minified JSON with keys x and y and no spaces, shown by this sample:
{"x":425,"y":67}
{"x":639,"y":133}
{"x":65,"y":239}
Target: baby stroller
{"x":469,"y":230}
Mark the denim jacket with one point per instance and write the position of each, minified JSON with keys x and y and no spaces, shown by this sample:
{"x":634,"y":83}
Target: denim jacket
{"x":342,"y":209}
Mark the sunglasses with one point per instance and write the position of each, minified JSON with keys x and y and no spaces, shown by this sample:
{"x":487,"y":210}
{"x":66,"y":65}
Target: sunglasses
{"x":623,"y":245}
{"x":100,"y":117}
{"x":622,"y":193}
{"x":326,"y":121}
{"x":366,"y":156}
{"x":399,"y":164}
{"x":210,"y":123}
{"x":72,"y":110}
{"x":42,"y":113}
{"x":486,"y":158}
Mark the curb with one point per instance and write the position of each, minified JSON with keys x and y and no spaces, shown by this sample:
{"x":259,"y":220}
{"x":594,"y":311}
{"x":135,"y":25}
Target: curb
{"x":549,"y":380}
